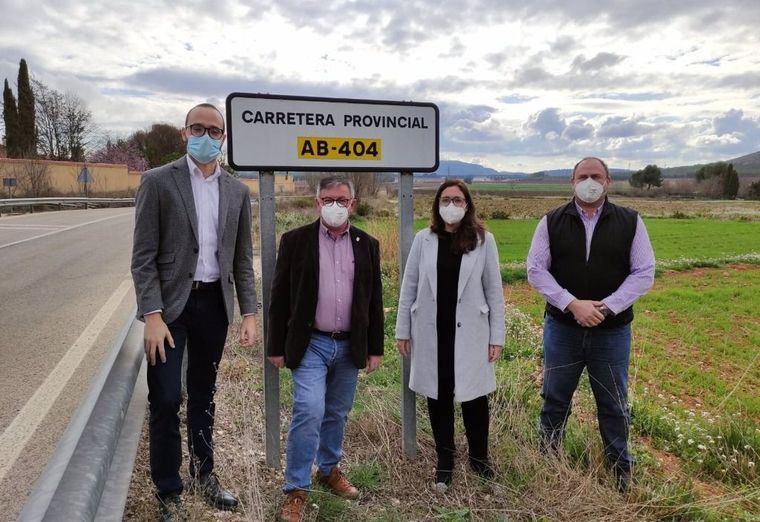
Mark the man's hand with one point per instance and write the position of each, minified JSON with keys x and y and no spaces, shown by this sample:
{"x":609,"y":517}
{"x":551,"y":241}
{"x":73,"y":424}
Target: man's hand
{"x":248,"y":330}
{"x":586,"y":312}
{"x":603,"y":308}
{"x":494,"y":352}
{"x":156,"y":332}
{"x":373,"y":362}
{"x":277,"y":360}
{"x":404,"y":347}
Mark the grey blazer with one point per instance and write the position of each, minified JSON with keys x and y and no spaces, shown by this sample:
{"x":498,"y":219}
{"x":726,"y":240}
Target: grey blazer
{"x":479,"y":315}
{"x":165,"y":249}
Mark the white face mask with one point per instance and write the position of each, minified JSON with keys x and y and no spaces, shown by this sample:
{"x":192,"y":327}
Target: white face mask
{"x":334,"y":215}
{"x":451,"y":213}
{"x":589,"y":190}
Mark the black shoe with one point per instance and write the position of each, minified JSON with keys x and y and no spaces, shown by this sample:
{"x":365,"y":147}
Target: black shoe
{"x":214,"y":494}
{"x":171,"y":508}
{"x":443,"y":472}
{"x":623,"y":481}
{"x":482,"y":467}
{"x":442,"y":480}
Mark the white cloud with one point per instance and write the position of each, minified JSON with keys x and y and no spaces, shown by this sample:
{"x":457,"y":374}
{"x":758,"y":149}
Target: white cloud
{"x":520,"y":85}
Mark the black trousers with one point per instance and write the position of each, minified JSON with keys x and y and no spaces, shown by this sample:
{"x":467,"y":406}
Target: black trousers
{"x":475,"y":415}
{"x":202,"y":330}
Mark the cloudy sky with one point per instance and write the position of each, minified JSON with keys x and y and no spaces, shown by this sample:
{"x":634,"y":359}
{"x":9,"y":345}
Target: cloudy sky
{"x":522,"y":85}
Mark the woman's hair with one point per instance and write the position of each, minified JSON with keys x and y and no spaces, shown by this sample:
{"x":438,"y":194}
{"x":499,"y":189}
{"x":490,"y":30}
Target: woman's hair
{"x":470,"y":228}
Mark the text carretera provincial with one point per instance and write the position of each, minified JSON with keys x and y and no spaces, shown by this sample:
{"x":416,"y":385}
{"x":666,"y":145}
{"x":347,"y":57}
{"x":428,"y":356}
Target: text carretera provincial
{"x":327,"y":119}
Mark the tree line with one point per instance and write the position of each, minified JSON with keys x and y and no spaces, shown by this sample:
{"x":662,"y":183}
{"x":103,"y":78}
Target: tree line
{"x":719,"y":180}
{"x":44,"y":123}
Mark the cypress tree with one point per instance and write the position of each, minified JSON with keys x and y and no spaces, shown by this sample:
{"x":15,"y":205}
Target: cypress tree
{"x":10,"y":118}
{"x":27,"y":133}
{"x":731,"y":183}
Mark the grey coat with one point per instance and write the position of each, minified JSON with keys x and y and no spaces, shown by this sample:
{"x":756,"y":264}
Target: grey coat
{"x":165,"y":250}
{"x":479,"y":316}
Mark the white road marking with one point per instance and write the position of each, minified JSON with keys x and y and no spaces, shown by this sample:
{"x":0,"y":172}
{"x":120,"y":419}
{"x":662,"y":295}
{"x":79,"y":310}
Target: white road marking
{"x":31,"y":227}
{"x":23,"y":426}
{"x":64,"y":229}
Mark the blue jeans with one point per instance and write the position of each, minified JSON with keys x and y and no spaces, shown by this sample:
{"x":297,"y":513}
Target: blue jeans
{"x":605,"y":352}
{"x":323,"y":393}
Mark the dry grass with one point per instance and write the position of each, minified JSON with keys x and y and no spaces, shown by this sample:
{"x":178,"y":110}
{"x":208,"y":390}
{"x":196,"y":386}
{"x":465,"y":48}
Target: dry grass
{"x":490,"y":206}
{"x":528,"y":486}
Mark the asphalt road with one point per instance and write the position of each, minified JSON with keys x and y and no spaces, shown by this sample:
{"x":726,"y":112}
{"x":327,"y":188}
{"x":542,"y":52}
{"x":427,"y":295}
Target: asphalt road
{"x":65,"y":293}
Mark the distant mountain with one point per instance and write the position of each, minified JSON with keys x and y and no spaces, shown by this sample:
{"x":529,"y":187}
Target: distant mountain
{"x":458,"y":169}
{"x":748,"y":162}
{"x":747,"y":165}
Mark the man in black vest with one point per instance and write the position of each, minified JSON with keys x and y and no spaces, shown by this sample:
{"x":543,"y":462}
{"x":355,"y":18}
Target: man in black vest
{"x":591,"y":260}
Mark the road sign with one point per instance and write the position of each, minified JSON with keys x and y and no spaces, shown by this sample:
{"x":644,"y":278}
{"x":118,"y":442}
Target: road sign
{"x":9,"y":182}
{"x":270,"y":133}
{"x":85,"y":176}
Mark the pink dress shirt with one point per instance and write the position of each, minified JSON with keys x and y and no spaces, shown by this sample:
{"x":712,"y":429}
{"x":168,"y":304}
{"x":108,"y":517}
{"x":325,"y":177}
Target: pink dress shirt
{"x":336,"y":282}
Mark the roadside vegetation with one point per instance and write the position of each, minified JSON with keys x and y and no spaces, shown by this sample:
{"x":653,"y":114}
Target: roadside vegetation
{"x":695,"y":383}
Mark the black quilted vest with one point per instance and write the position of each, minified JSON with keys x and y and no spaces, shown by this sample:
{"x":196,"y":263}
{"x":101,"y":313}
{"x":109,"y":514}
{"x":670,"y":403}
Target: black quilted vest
{"x":609,"y":259}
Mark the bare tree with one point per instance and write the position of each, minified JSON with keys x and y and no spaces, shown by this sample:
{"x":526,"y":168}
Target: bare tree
{"x":366,"y":184}
{"x":49,"y":110}
{"x":64,"y":124}
{"x":33,"y":178}
{"x":77,"y":124}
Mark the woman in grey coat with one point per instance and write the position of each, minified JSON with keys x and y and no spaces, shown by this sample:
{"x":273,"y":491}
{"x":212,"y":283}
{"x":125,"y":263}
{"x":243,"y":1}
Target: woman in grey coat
{"x":451,"y":323}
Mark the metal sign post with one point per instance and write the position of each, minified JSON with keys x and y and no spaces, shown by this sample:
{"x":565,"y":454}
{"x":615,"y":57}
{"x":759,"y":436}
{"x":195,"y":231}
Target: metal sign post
{"x":406,"y":236}
{"x":269,"y":133}
{"x":85,"y":177}
{"x":268,"y":258}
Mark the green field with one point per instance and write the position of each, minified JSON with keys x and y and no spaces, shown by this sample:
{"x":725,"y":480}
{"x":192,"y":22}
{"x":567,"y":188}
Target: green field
{"x":671,"y":239}
{"x":694,"y":388}
{"x":695,"y":365}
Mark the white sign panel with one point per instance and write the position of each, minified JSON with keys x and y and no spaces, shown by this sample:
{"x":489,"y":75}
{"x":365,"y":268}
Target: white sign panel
{"x":270,"y":132}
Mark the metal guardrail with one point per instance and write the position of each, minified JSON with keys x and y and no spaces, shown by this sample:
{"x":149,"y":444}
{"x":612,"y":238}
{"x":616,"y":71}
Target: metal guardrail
{"x":61,"y":202}
{"x":78,"y":478}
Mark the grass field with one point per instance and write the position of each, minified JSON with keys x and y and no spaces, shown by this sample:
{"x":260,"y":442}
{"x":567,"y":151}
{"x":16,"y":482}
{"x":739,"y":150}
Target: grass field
{"x":671,"y":239}
{"x":695,"y":383}
{"x":490,"y":206}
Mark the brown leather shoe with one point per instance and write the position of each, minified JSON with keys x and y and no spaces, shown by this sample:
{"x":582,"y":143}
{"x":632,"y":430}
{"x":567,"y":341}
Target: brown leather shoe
{"x":292,"y":508}
{"x":338,"y":484}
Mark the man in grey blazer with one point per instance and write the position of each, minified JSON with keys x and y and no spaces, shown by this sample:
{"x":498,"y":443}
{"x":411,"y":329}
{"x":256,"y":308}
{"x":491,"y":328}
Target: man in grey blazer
{"x":192,"y":251}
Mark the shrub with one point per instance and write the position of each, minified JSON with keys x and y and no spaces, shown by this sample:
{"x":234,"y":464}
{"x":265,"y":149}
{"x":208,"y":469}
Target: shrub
{"x":754,"y":191}
{"x":363,"y":209}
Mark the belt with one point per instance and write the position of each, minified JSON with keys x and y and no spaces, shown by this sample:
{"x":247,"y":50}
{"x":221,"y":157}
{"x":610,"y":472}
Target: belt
{"x":202,"y":285}
{"x":338,"y":336}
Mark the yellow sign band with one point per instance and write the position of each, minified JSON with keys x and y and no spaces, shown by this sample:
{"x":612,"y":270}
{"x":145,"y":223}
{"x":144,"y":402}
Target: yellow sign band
{"x":310,"y":147}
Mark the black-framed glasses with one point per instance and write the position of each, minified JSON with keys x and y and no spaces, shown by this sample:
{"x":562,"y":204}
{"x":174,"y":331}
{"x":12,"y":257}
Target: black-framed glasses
{"x":459,"y":202}
{"x":342,"y":202}
{"x":198,"y":130}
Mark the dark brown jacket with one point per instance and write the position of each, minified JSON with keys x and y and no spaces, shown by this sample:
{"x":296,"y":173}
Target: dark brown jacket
{"x":293,"y":301}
